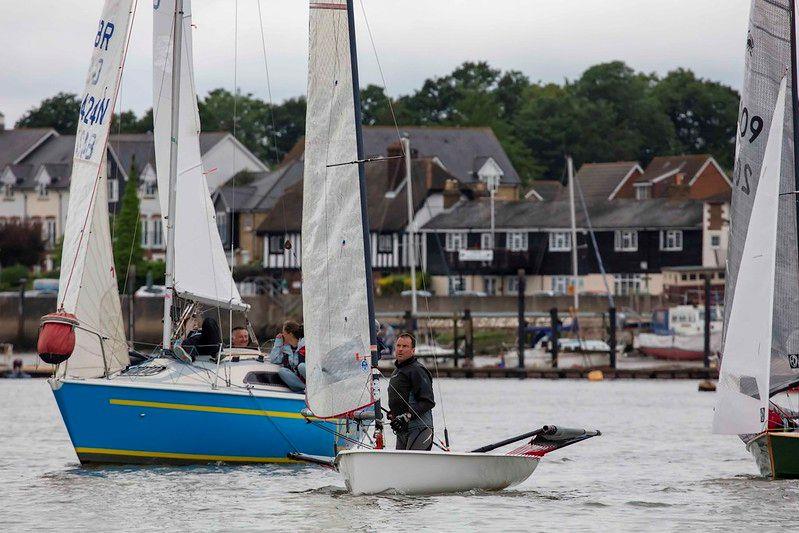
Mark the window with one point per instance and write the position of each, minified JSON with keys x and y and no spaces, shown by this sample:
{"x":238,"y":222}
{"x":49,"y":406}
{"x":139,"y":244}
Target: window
{"x":626,"y":240}
{"x":715,"y":241}
{"x":517,"y":241}
{"x":41,"y":189}
{"x":276,"y":244}
{"x":643,"y":192}
{"x":8,"y":192}
{"x":560,"y":284}
{"x":456,"y":283}
{"x":145,"y":227}
{"x":385,"y":244}
{"x":50,"y":232}
{"x":113,"y":190}
{"x":671,"y":240}
{"x":560,"y":241}
{"x":626,"y":284}
{"x":158,"y":233}
{"x":491,"y":284}
{"x":150,"y":189}
{"x":486,"y":241}
{"x":454,"y":242}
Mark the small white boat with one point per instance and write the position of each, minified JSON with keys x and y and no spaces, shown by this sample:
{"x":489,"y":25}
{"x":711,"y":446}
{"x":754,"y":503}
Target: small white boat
{"x":433,"y":472}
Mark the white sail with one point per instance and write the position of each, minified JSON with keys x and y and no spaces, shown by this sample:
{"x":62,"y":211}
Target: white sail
{"x":88,"y":285}
{"x":201,"y":269}
{"x":743,"y":391}
{"x":333,"y":269}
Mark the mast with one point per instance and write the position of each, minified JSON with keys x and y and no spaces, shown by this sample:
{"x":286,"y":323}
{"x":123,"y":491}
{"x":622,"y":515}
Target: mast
{"x":169,"y":277}
{"x":570,"y":166}
{"x":794,"y":108}
{"x":367,"y":248}
{"x":406,"y":146}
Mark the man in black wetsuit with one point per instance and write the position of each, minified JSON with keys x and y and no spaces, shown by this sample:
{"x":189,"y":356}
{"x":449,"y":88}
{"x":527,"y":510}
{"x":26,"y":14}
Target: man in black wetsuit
{"x":410,"y":398}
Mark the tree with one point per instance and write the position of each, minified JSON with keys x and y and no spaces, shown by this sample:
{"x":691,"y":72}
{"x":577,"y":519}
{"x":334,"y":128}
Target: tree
{"x":21,"y":243}
{"x":127,"y":239}
{"x":128,"y":122}
{"x":704,"y":114}
{"x":60,"y":112}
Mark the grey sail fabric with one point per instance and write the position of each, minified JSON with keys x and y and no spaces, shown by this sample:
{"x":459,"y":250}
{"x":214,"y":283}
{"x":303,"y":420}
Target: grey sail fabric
{"x":768,"y":59}
{"x":333,"y":270}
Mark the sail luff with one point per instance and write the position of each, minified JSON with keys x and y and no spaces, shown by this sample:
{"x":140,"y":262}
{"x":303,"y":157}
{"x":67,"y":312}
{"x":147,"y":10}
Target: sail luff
{"x":88,"y":285}
{"x":367,"y":248}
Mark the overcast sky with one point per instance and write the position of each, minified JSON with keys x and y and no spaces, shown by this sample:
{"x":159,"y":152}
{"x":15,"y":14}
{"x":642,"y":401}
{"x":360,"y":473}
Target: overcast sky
{"x":46,"y":44}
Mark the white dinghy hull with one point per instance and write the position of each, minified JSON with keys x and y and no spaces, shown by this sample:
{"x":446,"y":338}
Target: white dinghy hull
{"x":433,"y":472}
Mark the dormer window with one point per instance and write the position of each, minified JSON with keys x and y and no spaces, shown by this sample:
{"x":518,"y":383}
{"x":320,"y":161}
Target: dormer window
{"x":643,"y":191}
{"x":41,"y":190}
{"x":8,"y":191}
{"x":150,"y":189}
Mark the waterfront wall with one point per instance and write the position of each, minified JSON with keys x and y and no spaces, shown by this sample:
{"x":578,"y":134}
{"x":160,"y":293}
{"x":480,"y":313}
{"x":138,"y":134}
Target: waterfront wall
{"x":267,"y":313}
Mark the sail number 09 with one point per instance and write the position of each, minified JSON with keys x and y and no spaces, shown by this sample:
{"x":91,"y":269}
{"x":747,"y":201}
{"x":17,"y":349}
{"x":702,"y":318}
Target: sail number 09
{"x":753,"y":126}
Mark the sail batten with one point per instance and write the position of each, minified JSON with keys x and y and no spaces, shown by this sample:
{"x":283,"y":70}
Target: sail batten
{"x":88,"y":286}
{"x":201,"y":270}
{"x":335,"y":298}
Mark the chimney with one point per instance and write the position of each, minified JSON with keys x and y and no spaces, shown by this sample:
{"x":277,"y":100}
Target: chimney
{"x":452,"y":193}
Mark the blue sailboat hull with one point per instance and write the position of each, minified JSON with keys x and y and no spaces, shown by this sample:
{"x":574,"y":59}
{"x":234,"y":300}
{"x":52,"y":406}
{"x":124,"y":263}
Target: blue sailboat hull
{"x":132,"y":424}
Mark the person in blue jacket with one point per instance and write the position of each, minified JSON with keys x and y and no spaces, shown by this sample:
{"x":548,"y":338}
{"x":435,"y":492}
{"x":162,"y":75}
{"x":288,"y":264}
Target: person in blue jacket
{"x":289,"y":352}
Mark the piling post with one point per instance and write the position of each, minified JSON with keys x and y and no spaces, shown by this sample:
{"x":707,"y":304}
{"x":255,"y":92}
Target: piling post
{"x":555,"y":322}
{"x":468,"y":333}
{"x":707,"y":321}
{"x":521,"y":322}
{"x":612,"y":339}
{"x":21,"y":312}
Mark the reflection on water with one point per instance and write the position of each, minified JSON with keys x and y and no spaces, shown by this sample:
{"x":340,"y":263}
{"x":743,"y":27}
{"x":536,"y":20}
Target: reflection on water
{"x":656,"y":466}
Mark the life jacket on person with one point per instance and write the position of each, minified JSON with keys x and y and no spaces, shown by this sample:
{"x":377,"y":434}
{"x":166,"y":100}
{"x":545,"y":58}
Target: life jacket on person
{"x":206,"y":341}
{"x":56,"y":337}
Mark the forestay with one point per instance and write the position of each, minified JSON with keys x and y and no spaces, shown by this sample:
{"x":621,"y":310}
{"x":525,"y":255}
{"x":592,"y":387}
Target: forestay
{"x":743,"y":390}
{"x":768,"y":59}
{"x":333,"y":270}
{"x":88,"y":286}
{"x":201,"y":269}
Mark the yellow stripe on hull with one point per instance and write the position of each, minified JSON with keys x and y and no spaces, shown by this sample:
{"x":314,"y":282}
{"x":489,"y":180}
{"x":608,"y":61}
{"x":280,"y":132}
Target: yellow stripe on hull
{"x":181,"y":456}
{"x":208,"y":409}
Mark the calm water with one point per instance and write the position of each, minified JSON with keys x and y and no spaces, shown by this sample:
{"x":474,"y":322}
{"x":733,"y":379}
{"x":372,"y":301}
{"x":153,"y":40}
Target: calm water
{"x":656,"y":467}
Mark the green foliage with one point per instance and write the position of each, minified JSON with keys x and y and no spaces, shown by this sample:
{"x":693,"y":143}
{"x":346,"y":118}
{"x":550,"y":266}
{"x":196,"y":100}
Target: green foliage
{"x":58,"y":250}
{"x":21,"y":243}
{"x":60,"y":112}
{"x":127,"y":236}
{"x":10,"y":276}
{"x":128,"y":122}
{"x":155,"y":269}
{"x":396,"y":283}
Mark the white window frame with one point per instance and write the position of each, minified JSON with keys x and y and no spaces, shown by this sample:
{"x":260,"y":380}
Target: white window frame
{"x":560,"y":241}
{"x":512,"y":285}
{"x":492,"y":285}
{"x":517,"y":241}
{"x":643,"y":192}
{"x":385,"y":243}
{"x":157,"y":236}
{"x":486,"y":241}
{"x":8,"y":191}
{"x":560,"y":284}
{"x":717,"y":244}
{"x":276,"y":244}
{"x":145,"y":233}
{"x":626,"y":284}
{"x":455,"y":241}
{"x":50,"y":224}
{"x":42,"y":191}
{"x":625,"y":240}
{"x":455,"y":283}
{"x":671,"y":240}
{"x":113,"y":190}
{"x":150,"y":189}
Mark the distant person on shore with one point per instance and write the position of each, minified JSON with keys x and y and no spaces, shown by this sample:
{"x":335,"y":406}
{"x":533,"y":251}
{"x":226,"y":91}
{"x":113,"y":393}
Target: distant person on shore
{"x":289,"y":352}
{"x":241,"y":337}
{"x":410,"y":397}
{"x":16,"y":372}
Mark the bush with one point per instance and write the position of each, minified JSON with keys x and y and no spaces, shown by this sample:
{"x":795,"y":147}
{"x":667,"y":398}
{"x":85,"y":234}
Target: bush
{"x":396,"y":283}
{"x":10,"y":276}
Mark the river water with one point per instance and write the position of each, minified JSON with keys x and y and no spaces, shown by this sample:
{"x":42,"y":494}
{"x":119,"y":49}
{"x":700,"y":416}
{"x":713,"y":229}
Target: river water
{"x":656,"y":467}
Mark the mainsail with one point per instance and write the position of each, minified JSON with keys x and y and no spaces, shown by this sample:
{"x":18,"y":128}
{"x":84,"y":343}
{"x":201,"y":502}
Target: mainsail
{"x":743,"y":390}
{"x":88,"y":286}
{"x":201,"y":269}
{"x":335,"y":308}
{"x":769,"y":52}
